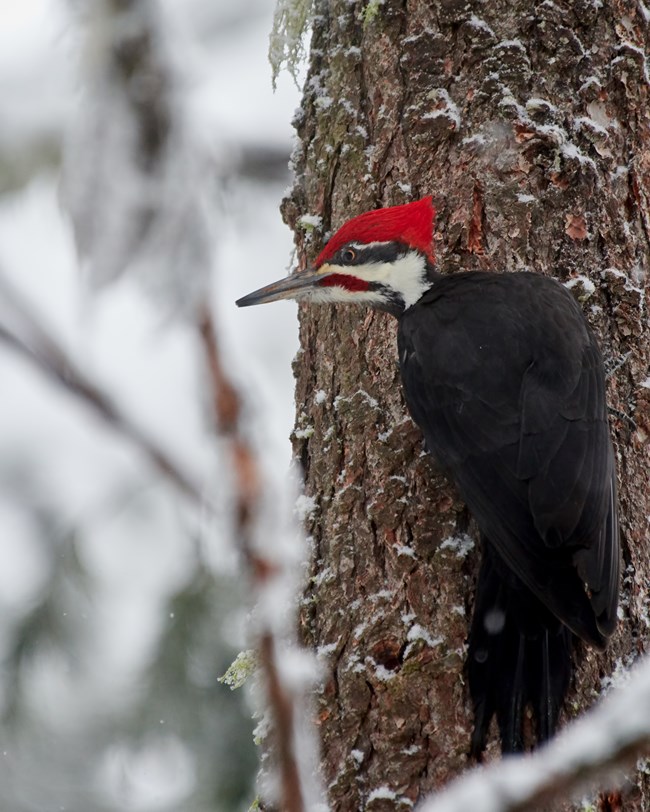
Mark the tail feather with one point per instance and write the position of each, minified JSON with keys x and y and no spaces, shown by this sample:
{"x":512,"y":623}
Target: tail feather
{"x":519,"y":655}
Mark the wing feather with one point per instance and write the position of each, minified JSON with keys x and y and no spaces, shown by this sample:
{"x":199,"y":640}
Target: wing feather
{"x":505,"y":379}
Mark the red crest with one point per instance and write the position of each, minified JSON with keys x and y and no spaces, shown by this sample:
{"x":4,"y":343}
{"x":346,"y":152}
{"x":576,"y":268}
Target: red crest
{"x":411,"y":224}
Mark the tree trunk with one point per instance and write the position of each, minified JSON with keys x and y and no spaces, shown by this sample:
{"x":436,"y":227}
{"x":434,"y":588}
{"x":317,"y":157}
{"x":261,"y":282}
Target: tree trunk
{"x":528,"y":124}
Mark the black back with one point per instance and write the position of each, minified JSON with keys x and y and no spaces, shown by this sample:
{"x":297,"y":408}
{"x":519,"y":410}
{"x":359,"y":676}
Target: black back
{"x":505,"y":379}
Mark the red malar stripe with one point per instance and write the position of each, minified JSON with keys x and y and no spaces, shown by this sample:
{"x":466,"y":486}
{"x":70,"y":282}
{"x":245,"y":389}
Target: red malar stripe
{"x":341,"y":280}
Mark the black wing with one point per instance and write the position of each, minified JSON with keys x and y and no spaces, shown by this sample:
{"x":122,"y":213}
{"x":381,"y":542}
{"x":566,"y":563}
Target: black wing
{"x":505,"y":379}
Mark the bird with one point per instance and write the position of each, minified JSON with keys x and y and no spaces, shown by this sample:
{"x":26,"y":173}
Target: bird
{"x":506,"y":381}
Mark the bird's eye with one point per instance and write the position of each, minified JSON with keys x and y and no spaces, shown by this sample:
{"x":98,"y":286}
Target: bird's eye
{"x":349,"y":255}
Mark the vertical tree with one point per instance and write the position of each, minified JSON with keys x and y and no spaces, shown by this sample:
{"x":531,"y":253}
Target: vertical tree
{"x":528,"y":124}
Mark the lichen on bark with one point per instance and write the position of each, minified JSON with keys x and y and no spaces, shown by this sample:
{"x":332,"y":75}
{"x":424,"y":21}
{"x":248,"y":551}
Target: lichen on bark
{"x":529,"y":126}
{"x":290,"y":21}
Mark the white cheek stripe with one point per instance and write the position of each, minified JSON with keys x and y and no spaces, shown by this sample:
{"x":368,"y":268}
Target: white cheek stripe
{"x":406,"y":276}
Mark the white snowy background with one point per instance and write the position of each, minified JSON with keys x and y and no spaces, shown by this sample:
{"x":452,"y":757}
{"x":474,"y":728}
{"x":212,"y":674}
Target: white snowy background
{"x":115,"y":620}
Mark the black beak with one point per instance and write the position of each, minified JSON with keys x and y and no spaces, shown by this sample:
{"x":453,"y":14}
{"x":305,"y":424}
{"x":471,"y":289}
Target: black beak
{"x":288,"y":288}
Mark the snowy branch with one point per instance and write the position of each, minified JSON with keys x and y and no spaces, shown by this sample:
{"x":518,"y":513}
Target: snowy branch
{"x":133,"y":180}
{"x":137,"y":195}
{"x":589,"y":753}
{"x":296,"y":766}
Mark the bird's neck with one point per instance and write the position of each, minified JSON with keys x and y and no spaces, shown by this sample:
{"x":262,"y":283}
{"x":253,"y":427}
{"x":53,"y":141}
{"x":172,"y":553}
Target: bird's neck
{"x":431,"y":273}
{"x":412,"y":287}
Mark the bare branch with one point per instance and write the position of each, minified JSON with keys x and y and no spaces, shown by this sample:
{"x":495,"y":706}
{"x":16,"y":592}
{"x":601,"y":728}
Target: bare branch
{"x":43,"y":351}
{"x":589,"y":753}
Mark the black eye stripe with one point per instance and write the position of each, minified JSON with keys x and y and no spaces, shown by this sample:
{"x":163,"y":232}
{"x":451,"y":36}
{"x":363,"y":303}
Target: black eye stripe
{"x":364,"y":255}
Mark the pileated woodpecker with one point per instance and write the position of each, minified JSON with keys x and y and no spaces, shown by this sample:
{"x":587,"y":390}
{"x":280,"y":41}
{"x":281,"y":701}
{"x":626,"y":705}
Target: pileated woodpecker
{"x":505,"y":379}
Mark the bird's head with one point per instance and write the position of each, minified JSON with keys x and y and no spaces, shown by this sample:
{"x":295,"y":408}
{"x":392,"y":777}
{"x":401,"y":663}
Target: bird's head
{"x":381,"y":258}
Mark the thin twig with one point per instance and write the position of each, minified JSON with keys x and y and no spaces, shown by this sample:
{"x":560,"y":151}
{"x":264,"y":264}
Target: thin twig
{"x":227,"y":411}
{"x":47,"y":355}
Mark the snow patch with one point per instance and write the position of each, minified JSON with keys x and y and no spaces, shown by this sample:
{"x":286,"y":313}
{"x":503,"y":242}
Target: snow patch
{"x":382,"y":595}
{"x":322,"y":652}
{"x":305,"y":507}
{"x":359,"y":629}
{"x":448,"y":110}
{"x":639,"y":53}
{"x":310,"y":221}
{"x":475,"y":140}
{"x":481,"y":25}
{"x":339,"y":399}
{"x":324,"y":576}
{"x":461,"y":545}
{"x":537,"y":105}
{"x":620,"y":675}
{"x":382,"y":793}
{"x":512,"y":43}
{"x":571,"y":151}
{"x":297,"y":667}
{"x":591,"y":81}
{"x":588,"y":287}
{"x":417,"y":632}
{"x":411,"y":750}
{"x":382,"y":673}
{"x":404,"y":550}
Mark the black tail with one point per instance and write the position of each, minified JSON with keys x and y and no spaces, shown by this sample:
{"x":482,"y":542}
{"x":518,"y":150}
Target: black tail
{"x":519,"y":655}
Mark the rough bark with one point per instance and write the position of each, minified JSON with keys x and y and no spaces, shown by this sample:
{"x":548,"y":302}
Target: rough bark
{"x":529,"y":125}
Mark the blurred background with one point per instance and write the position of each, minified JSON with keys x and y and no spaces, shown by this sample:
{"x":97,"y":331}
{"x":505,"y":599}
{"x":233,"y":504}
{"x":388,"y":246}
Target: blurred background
{"x":143,"y":156}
